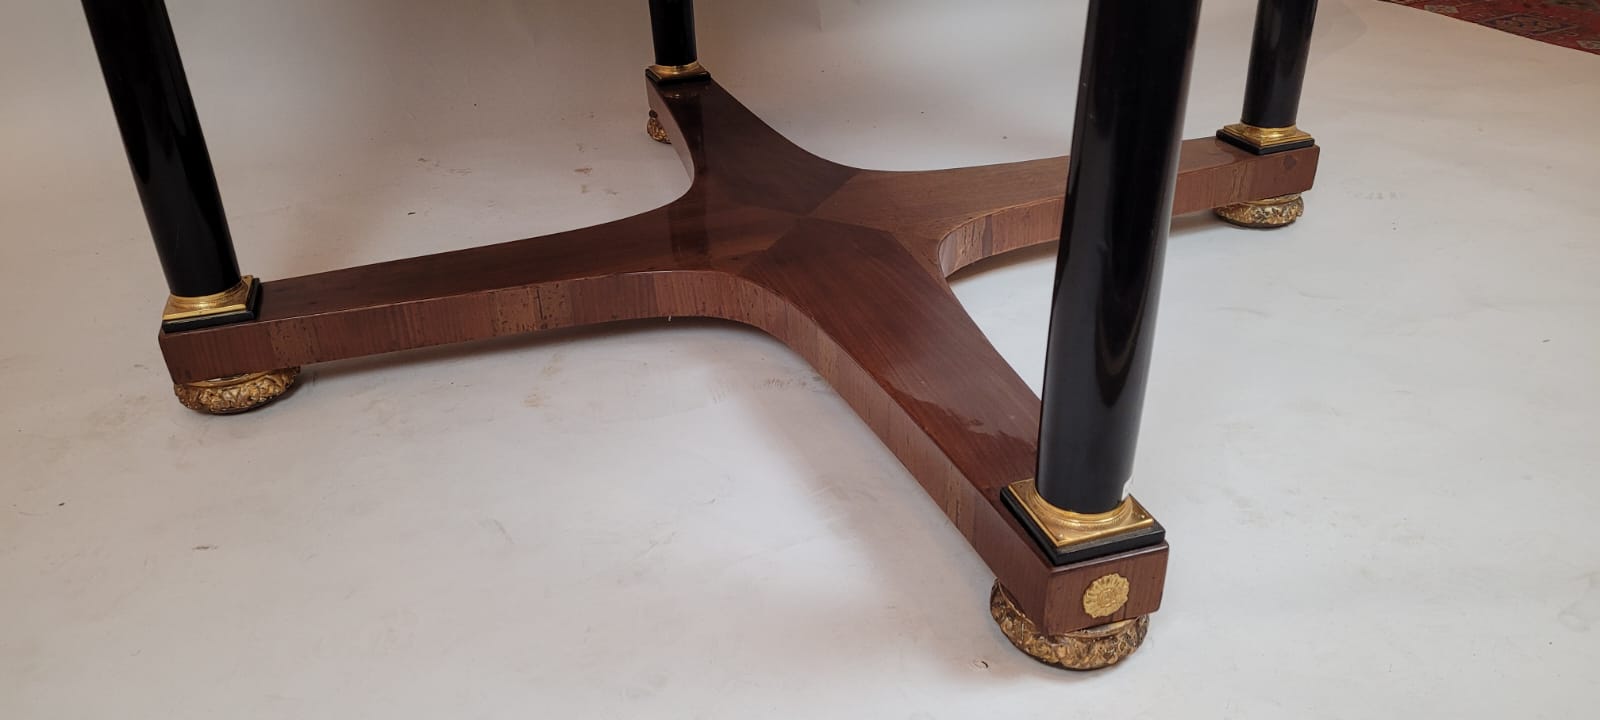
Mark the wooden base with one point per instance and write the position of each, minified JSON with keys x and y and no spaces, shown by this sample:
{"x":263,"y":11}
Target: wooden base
{"x":845,"y":266}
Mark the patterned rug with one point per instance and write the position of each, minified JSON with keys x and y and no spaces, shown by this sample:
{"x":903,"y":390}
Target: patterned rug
{"x":1568,"y":23}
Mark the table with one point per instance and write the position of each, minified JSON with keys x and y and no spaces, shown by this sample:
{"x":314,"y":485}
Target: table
{"x":846,"y":266}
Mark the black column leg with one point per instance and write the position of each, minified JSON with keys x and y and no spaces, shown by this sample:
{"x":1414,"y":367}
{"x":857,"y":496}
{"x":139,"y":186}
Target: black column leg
{"x":1135,"y":79}
{"x":672,"y":30}
{"x":171,"y":168}
{"x":1278,"y":54}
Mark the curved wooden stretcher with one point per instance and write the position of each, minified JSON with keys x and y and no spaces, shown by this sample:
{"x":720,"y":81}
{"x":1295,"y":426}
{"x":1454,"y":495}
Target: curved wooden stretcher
{"x":846,"y":266}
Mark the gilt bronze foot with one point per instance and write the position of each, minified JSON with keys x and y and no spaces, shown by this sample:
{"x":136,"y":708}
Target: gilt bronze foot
{"x":235,"y":393}
{"x":654,"y":129}
{"x":1088,"y":649}
{"x":1274,"y":212}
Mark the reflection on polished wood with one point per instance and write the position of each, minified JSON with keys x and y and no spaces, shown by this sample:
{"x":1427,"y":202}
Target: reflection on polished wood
{"x":845,"y":266}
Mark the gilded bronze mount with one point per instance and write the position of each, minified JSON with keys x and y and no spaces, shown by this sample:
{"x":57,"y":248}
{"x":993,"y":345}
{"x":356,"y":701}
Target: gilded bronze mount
{"x":656,"y":130}
{"x":1088,"y":649}
{"x":236,"y":304}
{"x":1067,"y":537}
{"x":677,"y":73}
{"x":1267,"y":213}
{"x":235,"y":393}
{"x":1070,"y":537}
{"x":1264,"y":141}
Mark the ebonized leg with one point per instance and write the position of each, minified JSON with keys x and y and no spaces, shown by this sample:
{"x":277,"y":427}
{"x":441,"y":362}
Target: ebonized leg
{"x":172,"y":171}
{"x":1278,"y":55}
{"x":677,"y":60}
{"x":672,"y":30}
{"x":1118,"y":206}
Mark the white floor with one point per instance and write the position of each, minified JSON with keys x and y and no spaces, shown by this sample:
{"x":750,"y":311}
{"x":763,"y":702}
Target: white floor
{"x":1372,"y":436}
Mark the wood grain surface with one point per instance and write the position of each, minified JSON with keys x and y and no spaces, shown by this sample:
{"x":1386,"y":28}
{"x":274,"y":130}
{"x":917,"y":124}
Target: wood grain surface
{"x":845,"y":266}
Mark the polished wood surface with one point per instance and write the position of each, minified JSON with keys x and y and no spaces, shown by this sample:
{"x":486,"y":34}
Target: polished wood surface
{"x":845,"y":266}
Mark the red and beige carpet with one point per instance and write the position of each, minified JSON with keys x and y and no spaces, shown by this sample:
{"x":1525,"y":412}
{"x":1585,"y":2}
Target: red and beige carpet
{"x":1568,"y":23}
